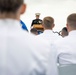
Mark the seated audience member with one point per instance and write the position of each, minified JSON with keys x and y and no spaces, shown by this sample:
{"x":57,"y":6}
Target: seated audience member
{"x":21,"y":53}
{"x":34,"y":31}
{"x":48,"y":24}
{"x":67,"y":46}
{"x":64,"y":32}
{"x":23,"y":25}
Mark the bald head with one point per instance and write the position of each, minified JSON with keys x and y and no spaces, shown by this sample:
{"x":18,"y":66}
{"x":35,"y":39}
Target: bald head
{"x":71,"y":21}
{"x":48,"y":22}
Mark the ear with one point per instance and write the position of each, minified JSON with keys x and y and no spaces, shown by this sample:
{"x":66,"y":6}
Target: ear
{"x":23,"y":9}
{"x":67,"y":27}
{"x":53,"y":25}
{"x":43,"y":25}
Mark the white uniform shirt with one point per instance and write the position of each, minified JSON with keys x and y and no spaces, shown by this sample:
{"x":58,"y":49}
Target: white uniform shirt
{"x":49,"y":35}
{"x":21,"y":53}
{"x":67,"y":49}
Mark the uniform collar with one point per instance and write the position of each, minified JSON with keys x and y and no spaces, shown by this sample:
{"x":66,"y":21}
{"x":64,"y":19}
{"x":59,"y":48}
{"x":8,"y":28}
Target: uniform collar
{"x":73,"y":32}
{"x":10,"y":22}
{"x":46,"y":31}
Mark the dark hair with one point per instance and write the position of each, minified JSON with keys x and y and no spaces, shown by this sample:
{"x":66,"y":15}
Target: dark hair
{"x":10,"y":5}
{"x":33,"y":30}
{"x":65,"y":29}
{"x":64,"y":32}
{"x":71,"y":20}
{"x":48,"y":21}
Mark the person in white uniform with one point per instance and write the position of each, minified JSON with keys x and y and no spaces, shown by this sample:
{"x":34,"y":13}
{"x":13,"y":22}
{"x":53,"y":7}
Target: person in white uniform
{"x":21,"y":53}
{"x":67,"y":46}
{"x":48,"y":25}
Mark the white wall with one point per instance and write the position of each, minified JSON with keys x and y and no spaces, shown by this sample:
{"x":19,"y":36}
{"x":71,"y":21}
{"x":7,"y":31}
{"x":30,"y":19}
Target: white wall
{"x":58,"y":9}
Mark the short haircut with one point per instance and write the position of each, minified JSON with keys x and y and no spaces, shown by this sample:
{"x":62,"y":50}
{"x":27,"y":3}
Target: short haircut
{"x":10,"y":5}
{"x":48,"y":22}
{"x":71,"y":20}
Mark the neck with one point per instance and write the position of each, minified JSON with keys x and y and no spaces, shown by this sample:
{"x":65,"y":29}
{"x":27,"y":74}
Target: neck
{"x":47,"y":28}
{"x":71,"y":30}
{"x":9,"y":15}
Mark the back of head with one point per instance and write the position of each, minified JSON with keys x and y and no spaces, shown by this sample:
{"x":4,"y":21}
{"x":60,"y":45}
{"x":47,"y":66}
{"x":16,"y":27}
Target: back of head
{"x":71,"y":21}
{"x":64,"y":29}
{"x":8,"y":6}
{"x":64,"y":32}
{"x":48,"y":22}
{"x":34,"y":31}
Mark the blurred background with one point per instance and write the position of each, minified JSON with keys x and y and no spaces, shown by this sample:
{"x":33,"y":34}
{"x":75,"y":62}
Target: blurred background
{"x":58,"y":9}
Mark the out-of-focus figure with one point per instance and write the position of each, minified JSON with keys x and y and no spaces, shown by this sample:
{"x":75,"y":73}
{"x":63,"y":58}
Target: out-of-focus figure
{"x":66,"y":47}
{"x":21,"y":53}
